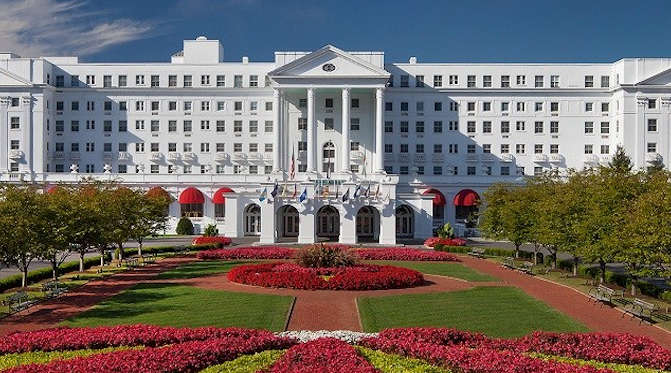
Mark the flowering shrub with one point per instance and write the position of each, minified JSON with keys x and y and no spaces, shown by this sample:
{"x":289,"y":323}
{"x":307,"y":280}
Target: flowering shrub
{"x":433,"y":241}
{"x":247,"y":253}
{"x":321,"y":255}
{"x":182,"y":357}
{"x":359,"y":277}
{"x":219,"y":240}
{"x":111,"y":336}
{"x":404,"y":254}
{"x":322,"y":356}
{"x":42,"y":357}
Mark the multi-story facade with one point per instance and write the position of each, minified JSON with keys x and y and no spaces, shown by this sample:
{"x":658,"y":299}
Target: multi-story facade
{"x":323,"y":144}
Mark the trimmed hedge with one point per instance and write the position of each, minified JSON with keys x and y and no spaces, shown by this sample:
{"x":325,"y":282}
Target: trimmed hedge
{"x":489,"y":251}
{"x":391,"y":363}
{"x":247,"y":363}
{"x":42,"y":274}
{"x":42,"y":357}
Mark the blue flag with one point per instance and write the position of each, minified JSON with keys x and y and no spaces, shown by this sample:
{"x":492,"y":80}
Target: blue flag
{"x":356,"y":191}
{"x":303,"y":195}
{"x":275,"y":189}
{"x":263,"y":195}
{"x":345,"y":196}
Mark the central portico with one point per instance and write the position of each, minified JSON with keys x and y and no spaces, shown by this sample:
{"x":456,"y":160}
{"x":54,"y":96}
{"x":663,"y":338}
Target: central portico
{"x":329,"y":110}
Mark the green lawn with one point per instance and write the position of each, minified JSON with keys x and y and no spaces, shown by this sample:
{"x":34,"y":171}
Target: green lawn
{"x":200,"y":269}
{"x":450,"y":269}
{"x":179,"y":305}
{"x":495,"y":311}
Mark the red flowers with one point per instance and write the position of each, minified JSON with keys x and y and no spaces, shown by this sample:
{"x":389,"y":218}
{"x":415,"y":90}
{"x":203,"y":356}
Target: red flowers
{"x":111,"y":336}
{"x":405,"y":254}
{"x":223,"y":241}
{"x":247,"y":253}
{"x":277,"y":252}
{"x":323,"y":355}
{"x":360,"y":277}
{"x":433,"y":241}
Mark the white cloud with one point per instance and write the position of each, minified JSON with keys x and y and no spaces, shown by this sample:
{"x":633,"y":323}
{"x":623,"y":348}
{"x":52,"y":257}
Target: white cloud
{"x":53,"y":27}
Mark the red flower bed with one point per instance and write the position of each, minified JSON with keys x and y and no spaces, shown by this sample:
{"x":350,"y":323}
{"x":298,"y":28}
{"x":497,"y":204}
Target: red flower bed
{"x":433,"y":241}
{"x":182,"y":357}
{"x":247,"y":253}
{"x":606,"y":347}
{"x":359,"y":277}
{"x":398,"y":253}
{"x":323,"y":355}
{"x":220,"y":240}
{"x":58,"y":339}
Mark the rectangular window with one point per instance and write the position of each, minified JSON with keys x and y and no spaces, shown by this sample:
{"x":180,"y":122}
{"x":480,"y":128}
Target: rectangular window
{"x":437,"y":81}
{"x":554,"y":127}
{"x":188,"y":81}
{"x":221,"y":126}
{"x":221,"y":80}
{"x":554,"y":81}
{"x":487,"y":81}
{"x":519,"y":148}
{"x":253,"y":126}
{"x":139,"y":79}
{"x":521,"y":80}
{"x":652,"y":125}
{"x":589,"y":81}
{"x":519,"y":125}
{"x":155,"y":81}
{"x":107,"y":81}
{"x":123,"y":81}
{"x":589,"y":127}
{"x":419,"y":81}
{"x":470,"y":127}
{"x":505,"y":81}
{"x":505,"y":127}
{"x":328,"y":124}
{"x":172,"y":126}
{"x":437,"y":106}
{"x":454,"y":79}
{"x":302,"y":124}
{"x":486,"y":127}
{"x":328,"y":103}
{"x":437,"y":126}
{"x":388,"y":126}
{"x":354,"y":124}
{"x":652,"y":103}
{"x":419,"y":127}
{"x":470,"y":81}
{"x":404,"y":126}
{"x":237,"y":81}
{"x":605,"y":127}
{"x":187,"y":126}
{"x":538,"y":81}
{"x":538,"y":106}
{"x":268,"y":126}
{"x":538,"y":127}
{"x":14,"y":123}
{"x":605,"y":149}
{"x":253,"y":80}
{"x":652,"y":147}
{"x":538,"y":148}
{"x":404,"y":81}
{"x":204,"y":80}
{"x":172,"y":80}
{"x":605,"y":81}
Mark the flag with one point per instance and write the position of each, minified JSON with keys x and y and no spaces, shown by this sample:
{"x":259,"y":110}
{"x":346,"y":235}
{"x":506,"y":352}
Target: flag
{"x":337,"y":191}
{"x":285,"y":189}
{"x":387,"y":199}
{"x":316,"y":191}
{"x":263,"y":195}
{"x":363,"y":161}
{"x":275,"y":189}
{"x":292,"y":169}
{"x":356,"y":191}
{"x":325,"y":191}
{"x":295,"y":191}
{"x":345,"y":196}
{"x":377,"y":191}
{"x":303,"y":195}
{"x":368,"y":191}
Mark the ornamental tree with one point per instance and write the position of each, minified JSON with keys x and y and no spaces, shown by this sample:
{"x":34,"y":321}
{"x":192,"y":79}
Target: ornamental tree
{"x":507,"y":215}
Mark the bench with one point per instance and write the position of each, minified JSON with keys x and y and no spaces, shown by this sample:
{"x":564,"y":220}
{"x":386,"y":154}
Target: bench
{"x":477,"y":253}
{"x":526,"y":267}
{"x":53,"y":289}
{"x":641,"y":309}
{"x":131,"y":263}
{"x":181,"y":250}
{"x":602,"y":294}
{"x":509,"y":263}
{"x":18,"y":301}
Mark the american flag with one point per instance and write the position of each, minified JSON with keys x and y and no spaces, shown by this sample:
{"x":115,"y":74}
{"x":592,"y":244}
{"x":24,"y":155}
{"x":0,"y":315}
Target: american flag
{"x":292,"y":169}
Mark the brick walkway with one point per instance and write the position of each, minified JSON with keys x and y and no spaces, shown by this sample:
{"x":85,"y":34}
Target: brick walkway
{"x":49,"y":313}
{"x":595,"y":316}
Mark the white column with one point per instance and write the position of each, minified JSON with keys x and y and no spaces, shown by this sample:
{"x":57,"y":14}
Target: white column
{"x":27,"y":129}
{"x":276,"y":130}
{"x":4,"y":141}
{"x":307,"y":214}
{"x":233,"y":220}
{"x":379,"y":131}
{"x":424,"y":217}
{"x":311,"y":130}
{"x":268,"y":221}
{"x":640,"y":148}
{"x":346,"y":104}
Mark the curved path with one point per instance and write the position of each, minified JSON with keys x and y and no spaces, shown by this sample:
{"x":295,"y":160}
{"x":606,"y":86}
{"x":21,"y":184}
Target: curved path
{"x":328,"y":309}
{"x":595,"y":316}
{"x":49,"y":313}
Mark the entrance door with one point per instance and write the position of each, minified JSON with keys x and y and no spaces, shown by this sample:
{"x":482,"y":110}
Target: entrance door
{"x":404,"y":222}
{"x":290,"y":222}
{"x":328,"y":222}
{"x":365,"y":222}
{"x":253,"y":220}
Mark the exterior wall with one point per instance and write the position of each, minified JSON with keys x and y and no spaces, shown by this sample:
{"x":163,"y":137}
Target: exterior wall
{"x":33,"y":90}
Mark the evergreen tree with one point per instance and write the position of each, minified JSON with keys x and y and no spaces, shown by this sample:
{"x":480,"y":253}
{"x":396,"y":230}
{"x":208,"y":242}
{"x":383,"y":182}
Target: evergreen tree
{"x":621,"y":162}
{"x":655,"y":166}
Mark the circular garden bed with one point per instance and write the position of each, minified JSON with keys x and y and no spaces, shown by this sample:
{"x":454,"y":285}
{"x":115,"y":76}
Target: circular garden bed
{"x":356,"y":277}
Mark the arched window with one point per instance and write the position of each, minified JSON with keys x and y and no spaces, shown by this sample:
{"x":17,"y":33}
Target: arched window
{"x":405,"y":225}
{"x":328,"y":157}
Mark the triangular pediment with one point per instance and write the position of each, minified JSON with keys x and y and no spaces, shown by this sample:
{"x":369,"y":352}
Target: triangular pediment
{"x":328,"y":61}
{"x":8,"y":78}
{"x":661,"y":78}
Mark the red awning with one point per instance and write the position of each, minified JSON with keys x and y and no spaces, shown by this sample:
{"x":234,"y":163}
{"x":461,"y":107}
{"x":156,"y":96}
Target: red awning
{"x":191,"y":196}
{"x":438,"y":197}
{"x":158,"y":192}
{"x":218,"y":198}
{"x":466,"y":197}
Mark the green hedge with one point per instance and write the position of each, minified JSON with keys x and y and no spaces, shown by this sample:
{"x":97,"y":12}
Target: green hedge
{"x":247,"y":363}
{"x":41,"y":274}
{"x":489,"y":251}
{"x":41,"y":357}
{"x":390,"y":363}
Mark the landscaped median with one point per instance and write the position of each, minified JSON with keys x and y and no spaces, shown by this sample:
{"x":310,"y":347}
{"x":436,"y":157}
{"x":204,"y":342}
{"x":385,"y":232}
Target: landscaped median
{"x":415,"y":350}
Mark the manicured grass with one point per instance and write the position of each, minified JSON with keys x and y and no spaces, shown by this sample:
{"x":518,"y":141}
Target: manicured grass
{"x":200,"y":269}
{"x":179,"y":305}
{"x":450,"y":269}
{"x":495,"y":311}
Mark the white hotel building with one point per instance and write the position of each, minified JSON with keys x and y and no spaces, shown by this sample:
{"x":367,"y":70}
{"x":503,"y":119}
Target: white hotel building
{"x":420,"y":141}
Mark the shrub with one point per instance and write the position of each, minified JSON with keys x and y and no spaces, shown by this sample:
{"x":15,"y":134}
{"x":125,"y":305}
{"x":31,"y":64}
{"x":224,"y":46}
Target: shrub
{"x":247,"y":253}
{"x":404,"y":254}
{"x":433,"y":241}
{"x":184,"y":226}
{"x":247,"y":363}
{"x":320,"y":356}
{"x":211,"y":231}
{"x":218,"y":241}
{"x":665,"y":296}
{"x":446,"y":231}
{"x":317,"y":256}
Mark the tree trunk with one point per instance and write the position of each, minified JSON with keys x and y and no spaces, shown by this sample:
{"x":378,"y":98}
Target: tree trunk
{"x":102,"y":259}
{"x":81,"y":261}
{"x":575,"y":266}
{"x":54,"y":269}
{"x":602,"y":267}
{"x":139,"y":247}
{"x":536,"y":254}
{"x":24,"y":276}
{"x":517,"y":250}
{"x":633,"y":288}
{"x":554,"y":259}
{"x":120,"y":251}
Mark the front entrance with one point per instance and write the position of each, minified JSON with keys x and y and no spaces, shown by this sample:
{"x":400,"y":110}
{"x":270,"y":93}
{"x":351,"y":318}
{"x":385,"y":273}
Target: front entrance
{"x":404,"y":222}
{"x":252,"y":217}
{"x":328,"y":223}
{"x":367,"y":223}
{"x":289,"y":221}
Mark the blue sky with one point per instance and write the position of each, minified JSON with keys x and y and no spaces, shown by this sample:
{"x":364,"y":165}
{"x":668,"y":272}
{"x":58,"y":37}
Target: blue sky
{"x":434,"y":31}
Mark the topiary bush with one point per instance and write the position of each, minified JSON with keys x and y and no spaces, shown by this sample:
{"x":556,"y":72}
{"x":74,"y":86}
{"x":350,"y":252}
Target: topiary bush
{"x":211,"y":231}
{"x":321,"y":255}
{"x":446,"y":231}
{"x":184,"y":226}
